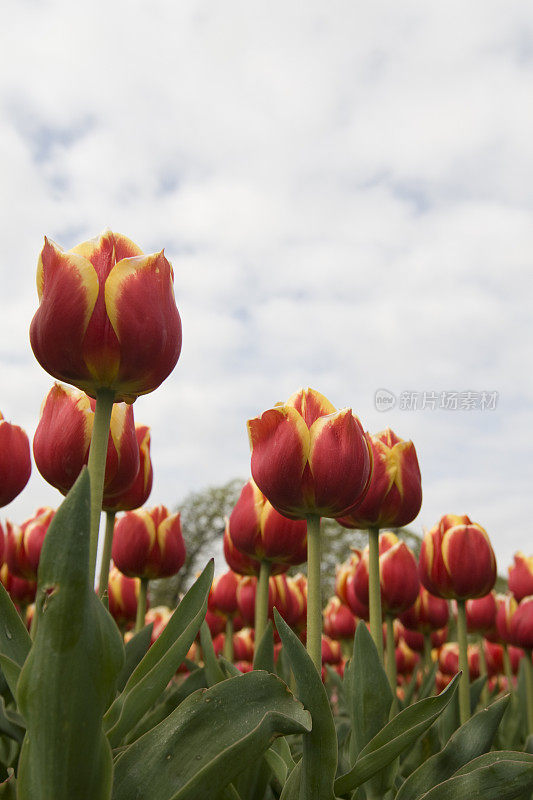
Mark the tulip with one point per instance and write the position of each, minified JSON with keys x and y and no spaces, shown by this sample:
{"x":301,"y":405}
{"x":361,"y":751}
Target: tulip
{"x":521,"y":576}
{"x":417,"y":641}
{"x":15,"y":461}
{"x":158,"y":617}
{"x":522,"y":632}
{"x":481,"y":613}
{"x":243,"y":645}
{"x":63,"y":438}
{"x":288,"y":600}
{"x":457,"y":561}
{"x":449,"y":660}
{"x":310,"y":461}
{"x":259,"y":531}
{"x":359,"y":609}
{"x":246,"y":594}
{"x":24,"y":544}
{"x":21,"y":591}
{"x":215,"y":622}
{"x":398,"y":575}
{"x":298,"y":588}
{"x":330,"y":651}
{"x":394,"y":495}
{"x":427,"y":614}
{"x":138,"y":492}
{"x":223,"y":593}
{"x":107,"y":323}
{"x":123,"y":597}
{"x":406,"y":659}
{"x":339,"y":622}
{"x":343,"y":573}
{"x":239,"y":562}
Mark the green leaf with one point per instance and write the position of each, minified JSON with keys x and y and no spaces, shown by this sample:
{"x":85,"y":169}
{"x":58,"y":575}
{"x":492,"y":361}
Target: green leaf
{"x":11,"y":724}
{"x":213,"y":670}
{"x":135,"y":649}
{"x":8,"y":788}
{"x":501,"y":780}
{"x":291,"y":790}
{"x":15,"y":642}
{"x":209,"y":739}
{"x":153,"y":673}
{"x":470,"y":741}
{"x":68,"y":678}
{"x":319,"y":762}
{"x":264,"y":651}
{"x":11,"y":672}
{"x":401,"y":732}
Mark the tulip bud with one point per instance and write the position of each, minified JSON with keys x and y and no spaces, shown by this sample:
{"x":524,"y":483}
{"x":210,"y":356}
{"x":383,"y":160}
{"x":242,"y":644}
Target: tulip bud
{"x":339,"y":622}
{"x":428,"y":613}
{"x":394,"y":495}
{"x":123,"y":596}
{"x":521,"y":576}
{"x":138,"y":492}
{"x":63,"y":438}
{"x":15,"y":462}
{"x":406,"y":659}
{"x":506,"y":608}
{"x":215,"y":622}
{"x":246,"y":591}
{"x":148,"y":543}
{"x":522,"y":624}
{"x":415,"y":639}
{"x":449,"y":659}
{"x":288,"y":601}
{"x":331,"y":651}
{"x":343,"y":572}
{"x":107,"y":317}
{"x":308,"y":458}
{"x":457,"y":560}
{"x":159,"y":617}
{"x":298,"y":588}
{"x":398,"y":575}
{"x":259,"y":531}
{"x":243,"y":645}
{"x":481,"y":613}
{"x":24,"y":544}
{"x":20,"y":590}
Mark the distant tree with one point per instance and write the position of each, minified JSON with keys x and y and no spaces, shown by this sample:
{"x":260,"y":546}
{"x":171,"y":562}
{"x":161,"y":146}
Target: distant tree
{"x":202,"y":522}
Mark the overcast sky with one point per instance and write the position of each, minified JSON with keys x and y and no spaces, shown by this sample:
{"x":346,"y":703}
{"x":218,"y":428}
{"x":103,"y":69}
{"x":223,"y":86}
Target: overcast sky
{"x":344,"y":190}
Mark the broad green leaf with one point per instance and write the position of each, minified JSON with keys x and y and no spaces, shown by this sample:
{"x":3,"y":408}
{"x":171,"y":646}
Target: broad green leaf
{"x":277,"y":765}
{"x":155,"y":670}
{"x":319,"y":762}
{"x":401,"y":732}
{"x":264,"y":651}
{"x":15,"y":642}
{"x":450,"y":720}
{"x":495,"y":757}
{"x":167,"y":703}
{"x":11,"y":672}
{"x":470,"y":741}
{"x":11,"y":724}
{"x":502,"y":780}
{"x":291,"y":790}
{"x":68,"y":678}
{"x":213,"y":670}
{"x":135,"y":649}
{"x":208,"y":740}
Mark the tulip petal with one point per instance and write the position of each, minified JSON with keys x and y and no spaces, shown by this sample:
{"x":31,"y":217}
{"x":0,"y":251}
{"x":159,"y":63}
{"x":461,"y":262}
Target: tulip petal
{"x":67,"y":285}
{"x":280,"y":443}
{"x":311,"y":405}
{"x":139,"y":299}
{"x":339,"y":460}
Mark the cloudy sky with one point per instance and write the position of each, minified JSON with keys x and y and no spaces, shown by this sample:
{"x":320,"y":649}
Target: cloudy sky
{"x":344,"y":190}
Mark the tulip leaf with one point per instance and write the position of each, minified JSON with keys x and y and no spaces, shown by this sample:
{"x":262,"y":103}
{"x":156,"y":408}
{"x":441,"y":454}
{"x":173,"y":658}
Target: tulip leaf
{"x":503,"y":779}
{"x":178,"y":760}
{"x":15,"y":642}
{"x":291,"y":790}
{"x":319,"y":761}
{"x":11,"y":672}
{"x":11,"y":724}
{"x":213,"y":670}
{"x":135,"y":649}
{"x":401,"y":732}
{"x":69,"y":676}
{"x":264,"y":651}
{"x":470,"y":741}
{"x":155,"y":670}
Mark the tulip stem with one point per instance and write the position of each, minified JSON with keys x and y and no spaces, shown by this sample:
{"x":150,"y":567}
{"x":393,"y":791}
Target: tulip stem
{"x":483,"y":671}
{"x":261,"y":601}
{"x":228,"y":640}
{"x":428,"y":658}
{"x":106,"y":554}
{"x":464,"y":683}
{"x":374,"y":590}
{"x":97,"y":463}
{"x":391,"y":660}
{"x":529,"y":690}
{"x":314,"y":592}
{"x":141,"y":605}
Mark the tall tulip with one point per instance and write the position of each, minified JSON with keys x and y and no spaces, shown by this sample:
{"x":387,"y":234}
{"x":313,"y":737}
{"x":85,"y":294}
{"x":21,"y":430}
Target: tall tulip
{"x":310,"y":461}
{"x":522,"y":633}
{"x":521,"y":576}
{"x":107,"y":323}
{"x":24,"y":544}
{"x":15,"y":462}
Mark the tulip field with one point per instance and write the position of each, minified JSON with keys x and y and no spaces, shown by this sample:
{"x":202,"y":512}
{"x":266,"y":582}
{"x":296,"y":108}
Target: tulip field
{"x":413,"y":682}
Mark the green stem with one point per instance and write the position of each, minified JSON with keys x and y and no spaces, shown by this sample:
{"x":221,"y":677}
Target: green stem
{"x":314,"y":592}
{"x":141,"y":605}
{"x":428,"y":658}
{"x":391,"y":657}
{"x":483,"y":671}
{"x":374,"y":590}
{"x":227,"y":651}
{"x":507,"y":669}
{"x":97,"y":462}
{"x":261,"y":601}
{"x":106,"y":554}
{"x":529,"y":691}
{"x":464,"y":683}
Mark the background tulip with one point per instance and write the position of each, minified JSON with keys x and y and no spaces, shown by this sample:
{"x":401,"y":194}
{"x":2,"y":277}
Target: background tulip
{"x":148,"y":543}
{"x":15,"y":461}
{"x":21,"y":591}
{"x":123,"y":597}
{"x":521,"y":576}
{"x":24,"y":544}
{"x":137,"y":493}
{"x":398,"y":575}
